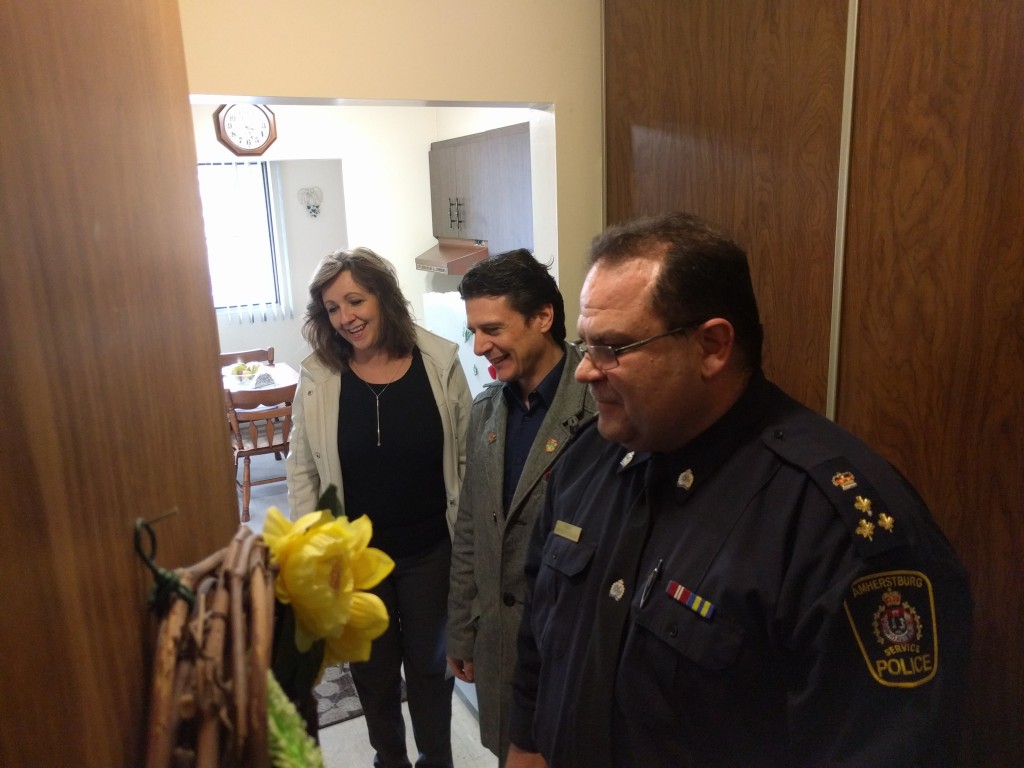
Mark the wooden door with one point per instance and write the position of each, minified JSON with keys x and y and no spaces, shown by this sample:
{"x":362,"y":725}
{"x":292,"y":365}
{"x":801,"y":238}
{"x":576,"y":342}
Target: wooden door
{"x":733,"y":111}
{"x":932,"y":350}
{"x":107,"y":337}
{"x":724,"y":110}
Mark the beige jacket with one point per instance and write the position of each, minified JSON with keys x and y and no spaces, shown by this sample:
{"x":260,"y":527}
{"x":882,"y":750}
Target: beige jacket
{"x":313,"y":462}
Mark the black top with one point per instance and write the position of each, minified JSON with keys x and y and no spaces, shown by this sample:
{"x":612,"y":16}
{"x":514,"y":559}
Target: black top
{"x":798,"y":591}
{"x":399,"y":484}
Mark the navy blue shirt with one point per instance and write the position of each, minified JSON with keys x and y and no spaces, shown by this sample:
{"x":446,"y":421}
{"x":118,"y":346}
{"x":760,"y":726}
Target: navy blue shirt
{"x":778,"y":545}
{"x":524,"y":424}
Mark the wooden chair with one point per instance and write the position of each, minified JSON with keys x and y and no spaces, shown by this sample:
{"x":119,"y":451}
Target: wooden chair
{"x":261,"y":423}
{"x":248,"y":356}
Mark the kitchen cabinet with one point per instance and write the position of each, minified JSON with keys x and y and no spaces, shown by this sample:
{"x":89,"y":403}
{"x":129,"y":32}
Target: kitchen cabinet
{"x":508,"y":196}
{"x":480,"y":188}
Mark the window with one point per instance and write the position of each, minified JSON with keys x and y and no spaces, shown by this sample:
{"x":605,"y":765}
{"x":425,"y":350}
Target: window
{"x":240,"y":241}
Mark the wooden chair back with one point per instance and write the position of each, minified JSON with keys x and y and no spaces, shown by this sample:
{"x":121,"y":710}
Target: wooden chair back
{"x":248,"y":356}
{"x":261,"y":423}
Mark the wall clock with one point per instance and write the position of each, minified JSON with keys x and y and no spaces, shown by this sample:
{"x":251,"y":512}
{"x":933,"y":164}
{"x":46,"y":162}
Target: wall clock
{"x":245,"y":129}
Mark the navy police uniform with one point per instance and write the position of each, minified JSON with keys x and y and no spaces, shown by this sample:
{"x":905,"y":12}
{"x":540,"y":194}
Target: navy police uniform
{"x":787,"y":601}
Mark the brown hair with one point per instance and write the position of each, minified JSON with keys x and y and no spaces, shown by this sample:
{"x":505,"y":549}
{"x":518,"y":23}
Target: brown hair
{"x":376,"y":275}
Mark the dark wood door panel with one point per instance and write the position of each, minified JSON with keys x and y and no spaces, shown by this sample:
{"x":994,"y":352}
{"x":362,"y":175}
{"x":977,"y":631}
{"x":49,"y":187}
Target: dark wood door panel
{"x":732,"y":111}
{"x":932,"y":350}
{"x":726,"y":111}
{"x":111,"y":402}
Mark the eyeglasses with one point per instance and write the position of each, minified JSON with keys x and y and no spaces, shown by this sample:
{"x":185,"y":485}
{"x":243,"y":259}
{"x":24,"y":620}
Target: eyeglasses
{"x":604,"y":358}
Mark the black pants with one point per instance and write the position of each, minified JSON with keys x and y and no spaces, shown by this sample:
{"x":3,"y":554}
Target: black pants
{"x":416,"y":596}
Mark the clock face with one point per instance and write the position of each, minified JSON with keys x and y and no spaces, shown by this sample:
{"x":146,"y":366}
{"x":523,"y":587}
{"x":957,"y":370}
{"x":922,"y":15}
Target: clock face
{"x":246,"y":129}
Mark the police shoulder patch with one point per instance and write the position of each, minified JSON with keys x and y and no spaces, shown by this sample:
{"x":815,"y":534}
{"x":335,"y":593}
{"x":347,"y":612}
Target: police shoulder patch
{"x":892,"y":615}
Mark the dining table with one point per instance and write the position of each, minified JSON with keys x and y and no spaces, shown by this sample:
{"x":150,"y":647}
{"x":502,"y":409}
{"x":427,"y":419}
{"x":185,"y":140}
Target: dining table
{"x":264,"y":376}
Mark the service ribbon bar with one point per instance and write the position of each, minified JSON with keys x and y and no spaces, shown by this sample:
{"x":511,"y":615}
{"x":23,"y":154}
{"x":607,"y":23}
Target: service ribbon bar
{"x":695,"y":603}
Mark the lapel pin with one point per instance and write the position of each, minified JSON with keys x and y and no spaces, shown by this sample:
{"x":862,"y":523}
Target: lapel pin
{"x":491,"y":437}
{"x":617,"y":591}
{"x":685,"y":480}
{"x":551,"y":445}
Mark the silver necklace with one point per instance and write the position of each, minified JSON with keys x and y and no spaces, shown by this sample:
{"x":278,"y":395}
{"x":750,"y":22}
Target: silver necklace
{"x":376,"y":397}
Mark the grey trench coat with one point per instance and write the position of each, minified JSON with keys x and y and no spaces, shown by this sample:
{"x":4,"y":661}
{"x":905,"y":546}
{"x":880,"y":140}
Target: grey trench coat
{"x":485,"y":602}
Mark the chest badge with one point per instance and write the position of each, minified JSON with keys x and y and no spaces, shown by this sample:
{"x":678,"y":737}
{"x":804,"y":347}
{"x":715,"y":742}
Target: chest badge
{"x":618,"y":589}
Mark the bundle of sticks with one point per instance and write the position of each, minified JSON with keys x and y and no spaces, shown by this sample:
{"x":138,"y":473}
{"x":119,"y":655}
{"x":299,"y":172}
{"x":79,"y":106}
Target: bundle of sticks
{"x":208,"y":706}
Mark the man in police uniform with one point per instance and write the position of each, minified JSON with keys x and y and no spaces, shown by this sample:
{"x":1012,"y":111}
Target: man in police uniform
{"x":518,"y":427}
{"x":721,"y":576}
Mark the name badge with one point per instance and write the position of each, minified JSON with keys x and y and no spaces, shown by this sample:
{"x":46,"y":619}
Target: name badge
{"x":568,"y":531}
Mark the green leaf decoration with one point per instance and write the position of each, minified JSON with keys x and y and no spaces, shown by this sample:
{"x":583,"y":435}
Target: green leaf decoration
{"x":329,"y":500}
{"x":289,"y":744}
{"x":295,"y":670}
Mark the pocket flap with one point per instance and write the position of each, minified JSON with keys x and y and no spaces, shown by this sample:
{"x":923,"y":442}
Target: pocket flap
{"x":713,"y":644}
{"x":570,"y":558}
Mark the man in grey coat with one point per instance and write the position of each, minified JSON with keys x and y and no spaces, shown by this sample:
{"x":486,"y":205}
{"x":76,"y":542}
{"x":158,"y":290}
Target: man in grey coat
{"x":518,"y":427}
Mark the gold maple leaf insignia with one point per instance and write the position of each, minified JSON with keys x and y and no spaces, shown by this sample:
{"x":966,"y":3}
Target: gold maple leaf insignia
{"x":886,"y":522}
{"x":866,"y":529}
{"x":863,"y":505}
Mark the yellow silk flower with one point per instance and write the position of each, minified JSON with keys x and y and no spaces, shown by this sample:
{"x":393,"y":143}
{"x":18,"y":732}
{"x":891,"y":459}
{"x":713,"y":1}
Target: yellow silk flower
{"x":324,"y":563}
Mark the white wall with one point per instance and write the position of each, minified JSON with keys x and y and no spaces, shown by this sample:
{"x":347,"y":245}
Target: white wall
{"x":442,"y":53}
{"x":376,"y":194}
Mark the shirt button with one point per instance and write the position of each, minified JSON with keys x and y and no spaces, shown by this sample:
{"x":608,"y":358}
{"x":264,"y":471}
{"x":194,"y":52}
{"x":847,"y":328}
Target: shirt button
{"x":508,"y":599}
{"x":673,"y":630}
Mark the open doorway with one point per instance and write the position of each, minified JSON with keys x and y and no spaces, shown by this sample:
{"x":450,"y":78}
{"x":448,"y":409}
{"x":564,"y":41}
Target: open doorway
{"x":369,"y":161}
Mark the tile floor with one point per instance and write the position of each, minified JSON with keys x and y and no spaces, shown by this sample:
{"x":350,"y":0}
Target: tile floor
{"x":345,"y":745}
{"x":263,"y":497}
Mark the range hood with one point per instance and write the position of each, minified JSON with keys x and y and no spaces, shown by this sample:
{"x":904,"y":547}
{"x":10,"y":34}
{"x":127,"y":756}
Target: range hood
{"x":452,"y":256}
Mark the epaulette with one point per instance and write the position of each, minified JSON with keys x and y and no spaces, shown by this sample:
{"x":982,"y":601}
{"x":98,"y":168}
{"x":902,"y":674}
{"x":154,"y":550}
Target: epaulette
{"x":873,"y":527}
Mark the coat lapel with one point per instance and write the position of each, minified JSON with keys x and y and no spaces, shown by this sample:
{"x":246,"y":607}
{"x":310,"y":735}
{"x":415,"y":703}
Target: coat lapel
{"x":567,"y":411}
{"x":494,"y":430}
